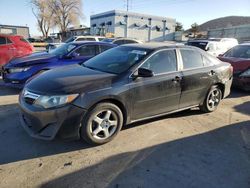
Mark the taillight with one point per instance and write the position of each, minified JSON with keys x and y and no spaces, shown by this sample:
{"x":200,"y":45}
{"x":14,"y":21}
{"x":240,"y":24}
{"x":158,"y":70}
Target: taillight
{"x":231,"y":69}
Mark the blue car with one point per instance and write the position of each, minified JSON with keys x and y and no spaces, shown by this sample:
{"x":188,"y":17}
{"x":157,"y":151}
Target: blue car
{"x":19,"y":70}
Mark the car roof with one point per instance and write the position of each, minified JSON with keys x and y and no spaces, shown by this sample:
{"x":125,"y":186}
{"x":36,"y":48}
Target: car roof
{"x":6,"y":35}
{"x":158,"y":45}
{"x":91,"y":42}
{"x":245,"y":44}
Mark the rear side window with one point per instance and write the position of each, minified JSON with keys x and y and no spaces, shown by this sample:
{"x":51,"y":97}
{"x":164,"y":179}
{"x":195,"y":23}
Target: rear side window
{"x":104,"y":48}
{"x":87,"y":50}
{"x":8,"y":41}
{"x":119,"y":42}
{"x":129,"y":41}
{"x":85,"y":39}
{"x":191,"y":59}
{"x":162,"y":62}
{"x":24,"y":40}
{"x":2,"y":40}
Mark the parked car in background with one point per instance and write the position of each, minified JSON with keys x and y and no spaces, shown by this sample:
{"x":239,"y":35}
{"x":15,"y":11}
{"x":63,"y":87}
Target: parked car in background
{"x":12,"y":46}
{"x":52,"y":46}
{"x":125,"y":84}
{"x":121,"y":41}
{"x":214,"y":46}
{"x":19,"y":70}
{"x":239,"y":57}
{"x":109,"y":40}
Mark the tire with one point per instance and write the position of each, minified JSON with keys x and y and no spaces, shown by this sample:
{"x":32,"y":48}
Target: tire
{"x":101,"y":124}
{"x":212,"y":100}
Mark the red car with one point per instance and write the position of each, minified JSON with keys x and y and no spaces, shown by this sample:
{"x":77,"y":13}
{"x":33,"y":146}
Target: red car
{"x":13,"y":46}
{"x":239,"y":58}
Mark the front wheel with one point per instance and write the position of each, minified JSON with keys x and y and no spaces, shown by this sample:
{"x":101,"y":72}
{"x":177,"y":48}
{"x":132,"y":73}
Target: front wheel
{"x":101,"y":124}
{"x":212,"y":100}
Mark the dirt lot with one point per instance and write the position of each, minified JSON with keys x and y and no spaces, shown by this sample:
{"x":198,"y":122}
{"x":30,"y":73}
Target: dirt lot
{"x":187,"y":149}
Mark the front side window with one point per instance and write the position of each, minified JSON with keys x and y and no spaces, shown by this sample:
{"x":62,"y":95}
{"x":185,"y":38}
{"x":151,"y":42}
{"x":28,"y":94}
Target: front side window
{"x":71,"y":39}
{"x":162,"y":62}
{"x":104,"y":48}
{"x":241,"y":51}
{"x":2,"y":40}
{"x":191,"y":59}
{"x":117,"y":60}
{"x":86,"y":50}
{"x":63,"y":49}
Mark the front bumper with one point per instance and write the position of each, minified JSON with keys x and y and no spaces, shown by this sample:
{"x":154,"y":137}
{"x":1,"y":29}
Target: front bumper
{"x":242,"y":83}
{"x":46,"y":124}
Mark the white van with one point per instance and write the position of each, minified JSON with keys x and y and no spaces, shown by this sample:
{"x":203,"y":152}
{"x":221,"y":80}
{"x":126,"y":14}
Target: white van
{"x":214,"y":46}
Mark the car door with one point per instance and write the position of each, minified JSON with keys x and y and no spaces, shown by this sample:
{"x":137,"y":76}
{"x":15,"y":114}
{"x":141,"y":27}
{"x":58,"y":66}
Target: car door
{"x":197,"y":78}
{"x":80,"y":54}
{"x":6,"y":50}
{"x":160,"y":93}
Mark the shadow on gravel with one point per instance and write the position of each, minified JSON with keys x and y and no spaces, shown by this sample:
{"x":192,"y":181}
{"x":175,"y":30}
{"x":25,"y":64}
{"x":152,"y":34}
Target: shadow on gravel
{"x":17,"y":145}
{"x":5,"y":91}
{"x":218,"y":159}
{"x":243,"y":108}
{"x":237,"y":93}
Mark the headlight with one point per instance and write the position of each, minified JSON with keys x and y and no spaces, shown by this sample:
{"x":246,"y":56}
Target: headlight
{"x":245,"y":73}
{"x":54,"y":101}
{"x":15,"y":70}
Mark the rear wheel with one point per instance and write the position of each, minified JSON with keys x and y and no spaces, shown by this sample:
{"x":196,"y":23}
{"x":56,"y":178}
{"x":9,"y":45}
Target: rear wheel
{"x":102,"y":124}
{"x":212,"y":100}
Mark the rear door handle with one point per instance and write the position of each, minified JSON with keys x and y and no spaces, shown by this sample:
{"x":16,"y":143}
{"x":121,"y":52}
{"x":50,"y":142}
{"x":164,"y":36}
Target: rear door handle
{"x":176,"y":79}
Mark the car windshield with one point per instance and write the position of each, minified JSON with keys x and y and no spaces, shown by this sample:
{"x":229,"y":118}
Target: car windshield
{"x":71,"y":39}
{"x":199,"y":44}
{"x":63,"y":49}
{"x":117,"y":60}
{"x":241,"y":51}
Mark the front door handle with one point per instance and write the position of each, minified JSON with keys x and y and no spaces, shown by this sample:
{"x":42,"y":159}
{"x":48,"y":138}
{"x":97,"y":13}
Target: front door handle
{"x":211,"y":73}
{"x":176,"y":79}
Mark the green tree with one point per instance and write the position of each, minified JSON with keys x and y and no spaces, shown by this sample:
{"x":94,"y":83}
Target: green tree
{"x":178,"y":26}
{"x":194,"y":28}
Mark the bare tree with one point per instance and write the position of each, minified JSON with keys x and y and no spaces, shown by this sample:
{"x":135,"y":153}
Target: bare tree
{"x":67,"y":12}
{"x":43,"y":14}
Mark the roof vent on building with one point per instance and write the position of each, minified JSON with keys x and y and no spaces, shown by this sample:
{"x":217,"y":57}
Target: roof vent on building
{"x":137,"y":24}
{"x":122,"y":23}
{"x":158,"y":28}
{"x":109,"y":23}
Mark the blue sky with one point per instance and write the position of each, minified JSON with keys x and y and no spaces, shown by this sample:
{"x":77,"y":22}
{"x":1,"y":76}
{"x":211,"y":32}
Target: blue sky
{"x":18,"y":12}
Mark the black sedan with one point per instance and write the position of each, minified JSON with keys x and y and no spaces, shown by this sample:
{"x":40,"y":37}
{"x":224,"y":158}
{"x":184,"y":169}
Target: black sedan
{"x":122,"y":85}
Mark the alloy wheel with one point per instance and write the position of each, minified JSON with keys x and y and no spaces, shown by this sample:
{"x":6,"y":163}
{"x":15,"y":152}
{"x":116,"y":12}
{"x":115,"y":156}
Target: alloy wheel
{"x":103,"y":124}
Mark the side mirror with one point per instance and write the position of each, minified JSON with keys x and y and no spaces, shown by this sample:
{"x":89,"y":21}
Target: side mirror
{"x":220,"y":55}
{"x":142,"y":72}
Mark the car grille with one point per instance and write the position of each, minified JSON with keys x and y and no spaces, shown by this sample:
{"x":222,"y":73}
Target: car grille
{"x":29,"y":100}
{"x":29,"y":97}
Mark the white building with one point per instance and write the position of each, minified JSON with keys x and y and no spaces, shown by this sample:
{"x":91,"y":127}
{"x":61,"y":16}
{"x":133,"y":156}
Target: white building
{"x":133,"y":25}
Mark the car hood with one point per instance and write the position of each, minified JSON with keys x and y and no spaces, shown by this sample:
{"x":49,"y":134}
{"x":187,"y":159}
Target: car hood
{"x":68,"y":80}
{"x":35,"y":58}
{"x":238,"y":64}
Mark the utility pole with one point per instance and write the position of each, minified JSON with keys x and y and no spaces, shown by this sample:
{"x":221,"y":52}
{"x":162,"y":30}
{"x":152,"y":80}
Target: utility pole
{"x":127,"y":5}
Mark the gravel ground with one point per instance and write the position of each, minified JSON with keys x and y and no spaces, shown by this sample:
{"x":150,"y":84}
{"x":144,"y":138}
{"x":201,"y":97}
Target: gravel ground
{"x":187,"y":149}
